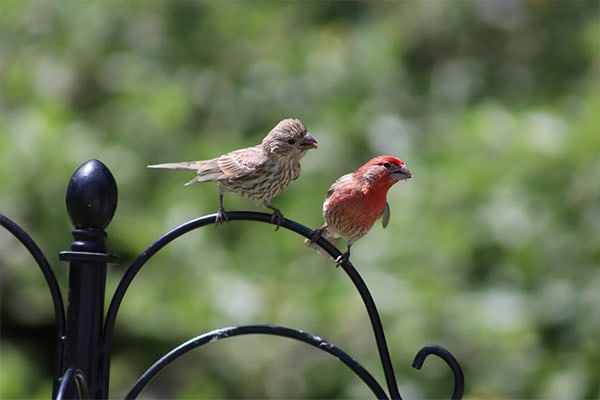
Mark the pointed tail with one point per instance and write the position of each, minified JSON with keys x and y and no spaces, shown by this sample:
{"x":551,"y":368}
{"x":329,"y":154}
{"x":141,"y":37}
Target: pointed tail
{"x":191,"y":165}
{"x":326,"y":235}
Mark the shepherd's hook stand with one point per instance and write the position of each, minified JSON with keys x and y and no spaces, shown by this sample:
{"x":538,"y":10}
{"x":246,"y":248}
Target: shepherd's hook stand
{"x":84,"y":335}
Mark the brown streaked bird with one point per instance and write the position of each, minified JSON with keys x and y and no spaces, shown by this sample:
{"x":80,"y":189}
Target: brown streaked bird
{"x":258,"y":173}
{"x":356,"y":200}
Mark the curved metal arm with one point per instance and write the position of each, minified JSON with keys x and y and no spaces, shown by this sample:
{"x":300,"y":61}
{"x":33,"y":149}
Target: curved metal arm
{"x":173,"y":234}
{"x":384,"y":353}
{"x":459,"y":378}
{"x":293,"y":226}
{"x":42,"y":262}
{"x":167,"y":238}
{"x":266,"y":218}
{"x":224,"y":333}
{"x":51,"y":281}
{"x":73,"y":375}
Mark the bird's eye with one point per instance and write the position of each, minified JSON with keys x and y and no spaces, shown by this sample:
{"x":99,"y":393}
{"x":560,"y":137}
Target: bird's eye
{"x":291,"y":141}
{"x":386,"y":165}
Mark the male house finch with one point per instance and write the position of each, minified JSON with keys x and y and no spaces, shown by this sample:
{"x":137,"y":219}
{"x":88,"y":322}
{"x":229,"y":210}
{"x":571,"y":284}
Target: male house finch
{"x":258,"y":173}
{"x":356,"y":200}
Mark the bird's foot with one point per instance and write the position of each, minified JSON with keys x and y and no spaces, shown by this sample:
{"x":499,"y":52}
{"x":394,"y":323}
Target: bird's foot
{"x":342,"y":258}
{"x":277,"y":217}
{"x":221,"y":216}
{"x":316,"y":234}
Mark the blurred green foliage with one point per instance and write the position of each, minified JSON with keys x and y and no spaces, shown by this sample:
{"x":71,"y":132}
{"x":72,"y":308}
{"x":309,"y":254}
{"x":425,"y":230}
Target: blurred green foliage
{"x":493,"y":249}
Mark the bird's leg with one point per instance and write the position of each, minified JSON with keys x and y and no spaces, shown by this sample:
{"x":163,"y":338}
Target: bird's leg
{"x":277,"y":217}
{"x":342,"y":258}
{"x":221,"y":214}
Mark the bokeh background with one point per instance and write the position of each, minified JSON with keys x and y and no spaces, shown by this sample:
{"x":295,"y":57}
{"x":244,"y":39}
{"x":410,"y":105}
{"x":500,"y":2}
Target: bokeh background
{"x":493,"y":249}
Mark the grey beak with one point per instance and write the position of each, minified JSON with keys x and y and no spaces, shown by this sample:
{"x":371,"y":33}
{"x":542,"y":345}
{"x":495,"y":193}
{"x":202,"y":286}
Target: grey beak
{"x":309,"y":142}
{"x":402,"y":173}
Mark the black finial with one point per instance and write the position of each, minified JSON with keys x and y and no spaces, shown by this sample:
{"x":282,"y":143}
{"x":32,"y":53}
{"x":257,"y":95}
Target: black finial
{"x":91,"y":196}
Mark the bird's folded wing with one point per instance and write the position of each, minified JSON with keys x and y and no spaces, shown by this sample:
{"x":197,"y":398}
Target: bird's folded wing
{"x":385,"y":215}
{"x":241,"y":163}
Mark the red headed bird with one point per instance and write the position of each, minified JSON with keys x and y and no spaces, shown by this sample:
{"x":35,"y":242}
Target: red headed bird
{"x":356,"y":200}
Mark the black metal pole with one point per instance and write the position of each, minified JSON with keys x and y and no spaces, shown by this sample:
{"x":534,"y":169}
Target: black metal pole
{"x":91,"y":203}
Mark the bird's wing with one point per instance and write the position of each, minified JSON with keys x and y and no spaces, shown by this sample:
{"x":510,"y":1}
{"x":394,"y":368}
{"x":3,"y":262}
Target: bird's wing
{"x":241,"y":163}
{"x":343,"y":182}
{"x":385,"y":215}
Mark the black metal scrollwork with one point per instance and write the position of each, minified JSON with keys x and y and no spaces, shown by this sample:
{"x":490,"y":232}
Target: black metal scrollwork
{"x":70,"y":376}
{"x":84,"y":335}
{"x":459,"y":379}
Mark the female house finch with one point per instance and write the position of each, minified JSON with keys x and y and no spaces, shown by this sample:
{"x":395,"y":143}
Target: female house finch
{"x":258,"y":173}
{"x":356,"y":200}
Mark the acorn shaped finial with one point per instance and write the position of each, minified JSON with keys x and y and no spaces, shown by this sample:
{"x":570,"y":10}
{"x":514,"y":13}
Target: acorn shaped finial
{"x":91,"y":196}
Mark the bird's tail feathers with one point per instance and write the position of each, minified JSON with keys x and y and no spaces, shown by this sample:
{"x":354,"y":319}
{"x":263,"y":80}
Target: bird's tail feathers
{"x":197,"y":179}
{"x":192,"y":165}
{"x":326,"y":235}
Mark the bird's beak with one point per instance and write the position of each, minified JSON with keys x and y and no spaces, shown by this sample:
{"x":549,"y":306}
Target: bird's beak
{"x":309,"y":142}
{"x":401,"y":173}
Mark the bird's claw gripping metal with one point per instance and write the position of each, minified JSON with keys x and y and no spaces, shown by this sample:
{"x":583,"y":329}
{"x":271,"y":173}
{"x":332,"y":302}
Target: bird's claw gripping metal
{"x":276,"y":218}
{"x":316,"y":235}
{"x":221,"y":216}
{"x":342,"y":258}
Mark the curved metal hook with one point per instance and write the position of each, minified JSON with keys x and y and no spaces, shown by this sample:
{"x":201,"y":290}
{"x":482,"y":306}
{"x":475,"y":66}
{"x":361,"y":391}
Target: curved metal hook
{"x":70,"y":375}
{"x":224,"y":333}
{"x":459,"y":378}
